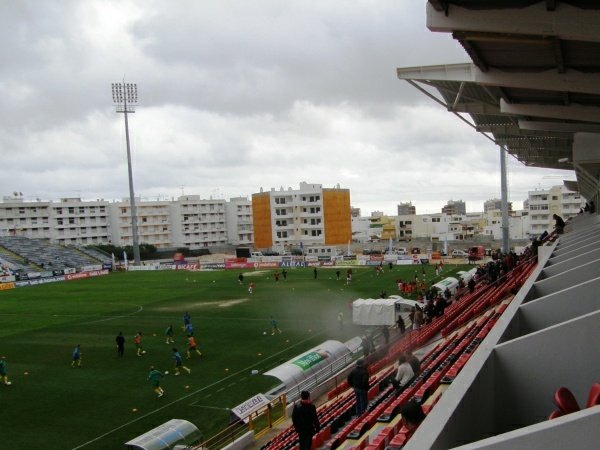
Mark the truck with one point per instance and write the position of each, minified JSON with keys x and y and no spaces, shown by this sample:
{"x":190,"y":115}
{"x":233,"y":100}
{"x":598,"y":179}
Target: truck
{"x":476,"y":253}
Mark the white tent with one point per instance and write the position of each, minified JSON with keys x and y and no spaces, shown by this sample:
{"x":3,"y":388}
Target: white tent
{"x":450,"y":283}
{"x":381,"y":311}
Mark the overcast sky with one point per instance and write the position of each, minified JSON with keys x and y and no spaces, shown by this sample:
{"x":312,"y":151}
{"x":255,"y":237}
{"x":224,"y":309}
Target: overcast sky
{"x":235,"y":96}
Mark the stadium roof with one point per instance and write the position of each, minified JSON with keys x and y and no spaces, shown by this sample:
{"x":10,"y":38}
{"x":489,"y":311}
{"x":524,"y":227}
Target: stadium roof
{"x":533,"y":85}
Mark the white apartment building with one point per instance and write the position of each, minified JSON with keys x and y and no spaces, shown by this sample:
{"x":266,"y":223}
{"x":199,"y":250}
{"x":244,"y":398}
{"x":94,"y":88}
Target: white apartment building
{"x":199,"y":223}
{"x":518,"y":225}
{"x":75,"y":222}
{"x":441,"y":227}
{"x":543,"y":203}
{"x":153,"y":223}
{"x":239,"y":221}
{"x":188,"y":221}
{"x":68,"y":221}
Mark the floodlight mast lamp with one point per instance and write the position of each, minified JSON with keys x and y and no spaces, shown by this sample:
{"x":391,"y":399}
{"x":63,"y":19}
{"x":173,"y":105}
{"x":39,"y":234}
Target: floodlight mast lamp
{"x":125,"y":98}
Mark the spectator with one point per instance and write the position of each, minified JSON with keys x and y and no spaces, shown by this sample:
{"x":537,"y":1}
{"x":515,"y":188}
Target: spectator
{"x":412,"y":416}
{"x":367,"y":343}
{"x":404,"y":373}
{"x":559,"y":224}
{"x":419,"y":319}
{"x":400,"y":324}
{"x":414,"y":362}
{"x":358,"y":380}
{"x":305,"y":420}
{"x":471,"y":285}
{"x":386,"y":334}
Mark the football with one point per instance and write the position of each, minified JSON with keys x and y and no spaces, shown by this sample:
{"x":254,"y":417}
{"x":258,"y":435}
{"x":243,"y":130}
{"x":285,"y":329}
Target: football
{"x":265,"y":333}
{"x":143,"y":352}
{"x":166,"y":372}
{"x":8,"y":383}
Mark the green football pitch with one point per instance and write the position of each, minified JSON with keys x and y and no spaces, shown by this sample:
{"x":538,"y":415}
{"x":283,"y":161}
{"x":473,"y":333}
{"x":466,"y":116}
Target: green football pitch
{"x":109,"y":401}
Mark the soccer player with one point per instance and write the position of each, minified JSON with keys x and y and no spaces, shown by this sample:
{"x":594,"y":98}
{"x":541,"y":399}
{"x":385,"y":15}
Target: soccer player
{"x":192,"y":347}
{"x":137,"y":340}
{"x":3,"y":372}
{"x":169,"y":335}
{"x":251,"y":288}
{"x":76,"y":356}
{"x":187,"y":319}
{"x":274,"y":327}
{"x":179,"y":362}
{"x":189,"y":329}
{"x":154,"y":377}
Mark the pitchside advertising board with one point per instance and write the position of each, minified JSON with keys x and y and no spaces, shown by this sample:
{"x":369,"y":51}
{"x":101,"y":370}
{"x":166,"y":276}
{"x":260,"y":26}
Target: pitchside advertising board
{"x":243,"y":410}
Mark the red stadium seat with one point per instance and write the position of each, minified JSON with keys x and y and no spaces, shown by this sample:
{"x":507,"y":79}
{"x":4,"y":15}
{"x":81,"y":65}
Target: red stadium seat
{"x":593,"y":396}
{"x":554,"y":414}
{"x":565,"y":401}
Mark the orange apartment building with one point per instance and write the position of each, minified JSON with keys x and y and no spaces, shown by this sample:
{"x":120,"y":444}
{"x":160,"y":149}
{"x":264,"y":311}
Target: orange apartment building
{"x":310,"y":215}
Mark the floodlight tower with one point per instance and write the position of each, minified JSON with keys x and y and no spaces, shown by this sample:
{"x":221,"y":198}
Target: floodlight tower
{"x":125,"y":97}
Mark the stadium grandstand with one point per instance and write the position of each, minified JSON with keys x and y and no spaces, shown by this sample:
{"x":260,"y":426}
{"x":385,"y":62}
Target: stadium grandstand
{"x":515,"y":364}
{"x":25,"y":254}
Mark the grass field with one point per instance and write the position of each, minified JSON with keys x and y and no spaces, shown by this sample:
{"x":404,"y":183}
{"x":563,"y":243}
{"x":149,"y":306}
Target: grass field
{"x":51,"y":405}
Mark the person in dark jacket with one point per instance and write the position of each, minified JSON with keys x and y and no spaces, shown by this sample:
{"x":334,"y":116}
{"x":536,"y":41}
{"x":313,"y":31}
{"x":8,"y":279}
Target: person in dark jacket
{"x":305,"y":420}
{"x":414,"y":362}
{"x":120,"y":340}
{"x":358,"y":380}
{"x":559,"y":223}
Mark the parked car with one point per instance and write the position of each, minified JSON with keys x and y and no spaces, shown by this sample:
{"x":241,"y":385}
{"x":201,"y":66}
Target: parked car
{"x":456,"y":253}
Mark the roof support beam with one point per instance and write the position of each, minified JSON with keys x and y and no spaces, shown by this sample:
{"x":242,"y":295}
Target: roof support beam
{"x":568,"y":22}
{"x":477,"y":108}
{"x":515,"y":130}
{"x":568,"y":127}
{"x":571,"y":112}
{"x":458,"y":95}
{"x":573,"y":81}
